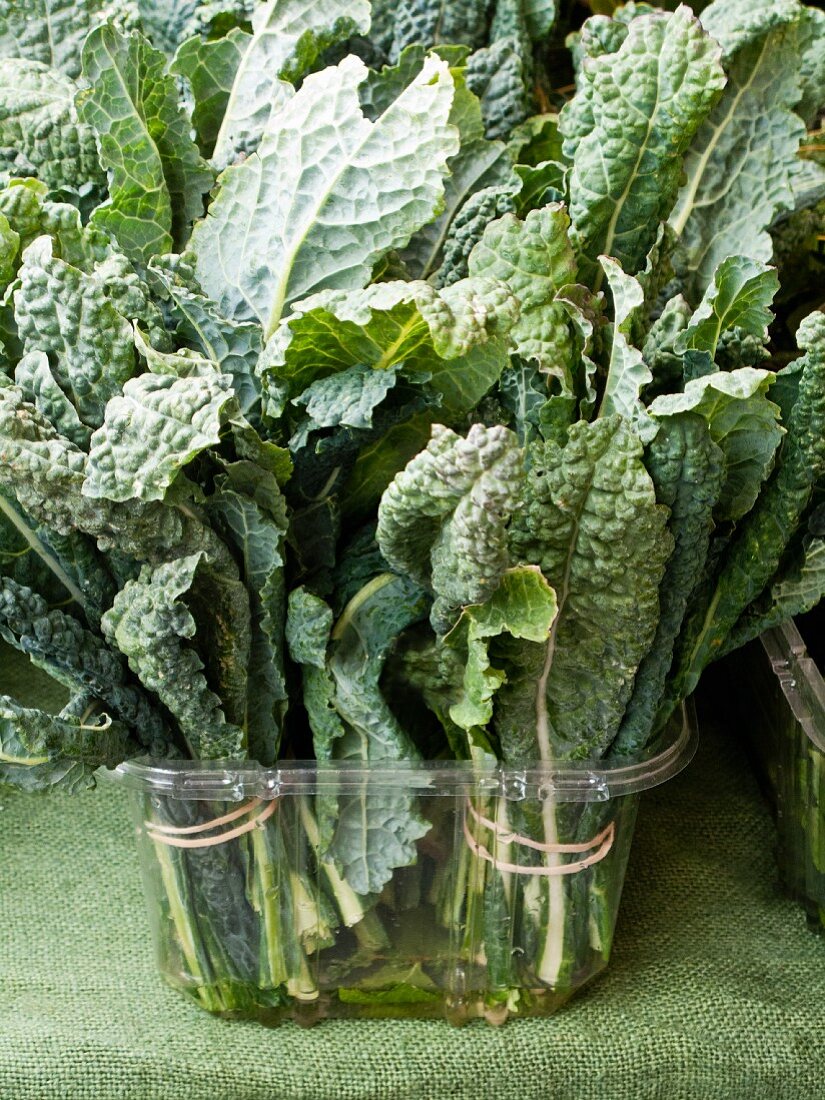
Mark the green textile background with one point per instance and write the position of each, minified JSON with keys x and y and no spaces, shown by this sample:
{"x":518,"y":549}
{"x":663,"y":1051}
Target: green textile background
{"x":716,"y":989}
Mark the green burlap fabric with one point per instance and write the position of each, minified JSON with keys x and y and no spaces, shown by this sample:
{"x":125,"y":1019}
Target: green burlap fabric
{"x":716,"y":988}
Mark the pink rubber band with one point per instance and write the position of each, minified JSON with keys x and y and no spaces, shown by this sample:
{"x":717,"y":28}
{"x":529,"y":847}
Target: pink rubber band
{"x":562,"y":869}
{"x":176,"y":830}
{"x":212,"y":841}
{"x":526,"y":842}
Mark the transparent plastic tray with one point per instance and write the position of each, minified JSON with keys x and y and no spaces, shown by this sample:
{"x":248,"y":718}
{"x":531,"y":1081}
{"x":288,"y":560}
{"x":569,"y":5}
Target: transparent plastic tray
{"x":300,"y":892}
{"x":784,"y":701}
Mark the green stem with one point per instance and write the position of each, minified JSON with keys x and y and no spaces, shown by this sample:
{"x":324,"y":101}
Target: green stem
{"x":266,"y":900}
{"x":186,"y":933}
{"x":350,"y":904}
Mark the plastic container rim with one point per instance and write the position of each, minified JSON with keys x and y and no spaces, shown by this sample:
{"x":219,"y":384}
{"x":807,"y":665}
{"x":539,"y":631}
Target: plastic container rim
{"x":573,"y":781}
{"x":800,"y":679}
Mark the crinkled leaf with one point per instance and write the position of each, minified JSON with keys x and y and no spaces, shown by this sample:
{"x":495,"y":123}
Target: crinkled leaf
{"x":33,"y":375}
{"x":540,"y":185}
{"x":71,"y":317}
{"x":308,"y":630}
{"x":604,"y":33}
{"x":738,"y":297}
{"x":62,"y":570}
{"x":39,"y":124}
{"x":628,"y":373}
{"x":52,"y":31}
{"x":762,"y":538}
{"x":233,"y":348}
{"x":478,"y":164}
{"x":9,"y":251}
{"x":634,"y":116}
{"x":210,"y":67}
{"x":376,"y":832}
{"x":44,"y":472}
{"x":443,"y":520}
{"x":273,"y":237}
{"x":167,"y":22}
{"x":250,"y":509}
{"x":523,"y":606}
{"x":740,"y":167}
{"x":742,"y":422}
{"x":798,"y":589}
{"x":535,"y":260}
{"x":25,"y":205}
{"x":455,"y":336}
{"x":688,"y":471}
{"x":523,"y":392}
{"x":30,"y":737}
{"x":287,"y":38}
{"x":812,"y":70}
{"x":589,"y":519}
{"x":738,"y":23}
{"x":349,"y":398}
{"x":152,"y":626}
{"x":468,"y":226}
{"x":500,"y":75}
{"x":659,"y":349}
{"x":152,"y":431}
{"x":157,"y":179}
{"x":77,"y":658}
{"x":540,"y":16}
{"x":438,"y":22}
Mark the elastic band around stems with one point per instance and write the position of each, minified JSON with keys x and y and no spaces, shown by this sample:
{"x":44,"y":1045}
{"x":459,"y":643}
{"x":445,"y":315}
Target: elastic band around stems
{"x":213,"y":841}
{"x":561,"y":869}
{"x":525,"y":841}
{"x":177,"y":830}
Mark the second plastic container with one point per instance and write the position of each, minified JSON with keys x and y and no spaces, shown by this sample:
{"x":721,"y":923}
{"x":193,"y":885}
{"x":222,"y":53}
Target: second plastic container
{"x":782,"y":702}
{"x":485,"y":893}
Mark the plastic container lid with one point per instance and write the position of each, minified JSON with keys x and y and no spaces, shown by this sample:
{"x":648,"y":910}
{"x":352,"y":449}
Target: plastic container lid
{"x":570,"y":781}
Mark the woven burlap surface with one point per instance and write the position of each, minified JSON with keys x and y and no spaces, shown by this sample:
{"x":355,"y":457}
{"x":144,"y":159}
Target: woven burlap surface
{"x":716,"y":988}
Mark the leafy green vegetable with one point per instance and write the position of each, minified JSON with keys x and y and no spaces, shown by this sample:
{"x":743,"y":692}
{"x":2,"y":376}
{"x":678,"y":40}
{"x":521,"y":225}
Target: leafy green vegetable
{"x":636,"y":113}
{"x":742,"y":421}
{"x":687,"y":469}
{"x":287,"y":37}
{"x":77,"y":320}
{"x":158,"y":425}
{"x":739,"y":170}
{"x":437,"y":425}
{"x":535,"y":259}
{"x":590,"y":521}
{"x":308,"y":629}
{"x":251,"y":510}
{"x":762,"y":539}
{"x":443,"y":520}
{"x":375,"y":833}
{"x":52,"y":32}
{"x":627,"y":373}
{"x":158,"y":180}
{"x":40,"y":133}
{"x":453,"y":338}
{"x":297,"y":231}
{"x":523,"y":606}
{"x":151,"y":624}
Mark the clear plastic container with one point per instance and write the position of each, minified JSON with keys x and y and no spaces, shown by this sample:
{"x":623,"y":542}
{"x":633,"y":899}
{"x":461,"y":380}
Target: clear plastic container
{"x":784,"y":710}
{"x":504,"y":905}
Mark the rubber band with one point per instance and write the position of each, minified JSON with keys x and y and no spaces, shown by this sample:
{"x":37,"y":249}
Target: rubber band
{"x":177,"y":830}
{"x":212,"y":841}
{"x":526,"y":842}
{"x":560,"y":869}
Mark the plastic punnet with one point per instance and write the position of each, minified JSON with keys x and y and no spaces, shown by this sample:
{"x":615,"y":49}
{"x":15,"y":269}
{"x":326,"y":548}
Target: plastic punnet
{"x":255,"y":914}
{"x":785,"y":712}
